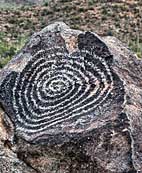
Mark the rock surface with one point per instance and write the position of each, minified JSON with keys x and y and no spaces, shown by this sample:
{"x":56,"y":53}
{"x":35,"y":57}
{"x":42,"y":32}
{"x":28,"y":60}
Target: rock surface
{"x":72,"y":103}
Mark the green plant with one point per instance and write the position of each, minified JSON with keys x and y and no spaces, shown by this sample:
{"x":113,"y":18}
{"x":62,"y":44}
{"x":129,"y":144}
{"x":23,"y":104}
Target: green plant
{"x":136,"y":47}
{"x":45,"y":12}
{"x":81,"y":9}
{"x":45,"y":3}
{"x":9,"y":49}
{"x":4,"y":61}
{"x":91,"y":2}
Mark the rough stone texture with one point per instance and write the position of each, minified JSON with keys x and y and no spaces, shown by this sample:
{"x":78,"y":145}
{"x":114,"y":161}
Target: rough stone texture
{"x":9,"y":163}
{"x":101,"y":134}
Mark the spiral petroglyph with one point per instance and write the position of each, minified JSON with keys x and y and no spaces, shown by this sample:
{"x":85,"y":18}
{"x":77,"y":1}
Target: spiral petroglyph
{"x":58,"y":91}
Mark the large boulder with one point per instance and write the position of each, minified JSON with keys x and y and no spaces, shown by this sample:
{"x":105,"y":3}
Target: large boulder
{"x":72,"y":103}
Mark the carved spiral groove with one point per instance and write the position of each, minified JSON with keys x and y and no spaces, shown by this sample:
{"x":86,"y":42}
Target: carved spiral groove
{"x":56,"y":90}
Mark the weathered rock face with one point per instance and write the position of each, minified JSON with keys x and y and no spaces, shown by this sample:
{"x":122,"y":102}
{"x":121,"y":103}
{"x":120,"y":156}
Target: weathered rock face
{"x":72,"y":103}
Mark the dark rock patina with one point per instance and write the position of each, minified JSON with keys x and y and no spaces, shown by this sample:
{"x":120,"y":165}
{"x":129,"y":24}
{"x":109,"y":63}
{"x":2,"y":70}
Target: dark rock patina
{"x":72,"y":103}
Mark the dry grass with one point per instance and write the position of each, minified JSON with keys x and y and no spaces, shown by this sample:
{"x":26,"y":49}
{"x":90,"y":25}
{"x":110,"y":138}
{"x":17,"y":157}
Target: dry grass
{"x":121,"y":19}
